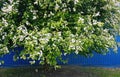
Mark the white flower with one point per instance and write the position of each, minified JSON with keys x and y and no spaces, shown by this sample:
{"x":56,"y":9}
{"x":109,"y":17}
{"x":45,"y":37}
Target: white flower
{"x":3,"y":37}
{"x":36,"y":2}
{"x":21,"y":37}
{"x":27,"y":38}
{"x":64,"y":5}
{"x":46,"y":39}
{"x":94,"y":22}
{"x":14,"y":37}
{"x":48,"y":35}
{"x":35,"y":42}
{"x":97,"y":14}
{"x":27,"y":23}
{"x":11,"y":1}
{"x":1,"y":28}
{"x":45,"y":15}
{"x":35,"y":38}
{"x":4,"y":21}
{"x":81,"y":20}
{"x":51,"y":13}
{"x":40,"y":53}
{"x":85,"y":28}
{"x":76,"y":52}
{"x":76,"y":1}
{"x":23,"y":29}
{"x":59,"y":33}
{"x":54,"y":45}
{"x":5,"y":49}
{"x":64,"y":54}
{"x":32,"y":62}
{"x":64,"y":10}
{"x":20,"y":27}
{"x":7,"y":9}
{"x":57,"y":7}
{"x":73,"y":40}
{"x":105,"y":30}
{"x":72,"y":47}
{"x":74,"y":9}
{"x":111,"y":37}
{"x":34,"y":17}
{"x":117,"y":3}
{"x":118,"y":11}
{"x":72,"y":35}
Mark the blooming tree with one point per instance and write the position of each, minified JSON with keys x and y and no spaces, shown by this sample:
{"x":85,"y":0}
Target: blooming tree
{"x":48,"y":29}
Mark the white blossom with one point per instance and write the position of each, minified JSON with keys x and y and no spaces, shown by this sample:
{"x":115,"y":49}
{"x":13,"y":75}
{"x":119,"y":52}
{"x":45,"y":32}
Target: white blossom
{"x":48,"y":35}
{"x":64,"y":10}
{"x":72,"y":47}
{"x":117,"y":4}
{"x":27,"y":23}
{"x":118,"y":11}
{"x":21,"y":38}
{"x":64,"y":54}
{"x":94,"y":22}
{"x":76,"y":51}
{"x":23,"y":29}
{"x":45,"y":15}
{"x":40,"y":53}
{"x":73,"y":40}
{"x":32,"y":62}
{"x":7,"y":8}
{"x":81,"y":20}
{"x":54,"y":45}
{"x":51,"y":13}
{"x":85,"y":28}
{"x":34,"y":17}
{"x":57,"y":6}
{"x":76,"y":1}
{"x":59,"y":33}
{"x":27,"y":38}
{"x":64,"y":5}
{"x":11,"y":1}
{"x":105,"y":30}
{"x":97,"y":14}
{"x":4,"y":21}
{"x":3,"y":37}
{"x":5,"y":49}
{"x":36,"y":2}
{"x":14,"y":37}
{"x":35,"y":38}
{"x":74,"y":9}
{"x":72,"y":35}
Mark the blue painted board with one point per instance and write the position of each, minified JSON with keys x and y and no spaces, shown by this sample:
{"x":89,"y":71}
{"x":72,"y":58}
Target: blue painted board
{"x":111,"y":59}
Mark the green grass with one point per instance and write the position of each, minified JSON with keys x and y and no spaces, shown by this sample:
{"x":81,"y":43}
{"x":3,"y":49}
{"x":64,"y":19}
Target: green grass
{"x":106,"y":72}
{"x":65,"y":71}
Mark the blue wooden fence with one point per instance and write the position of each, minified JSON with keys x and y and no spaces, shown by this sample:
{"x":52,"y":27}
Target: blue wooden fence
{"x":111,"y":59}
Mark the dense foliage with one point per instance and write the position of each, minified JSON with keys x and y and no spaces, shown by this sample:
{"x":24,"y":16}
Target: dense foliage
{"x":48,"y":29}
